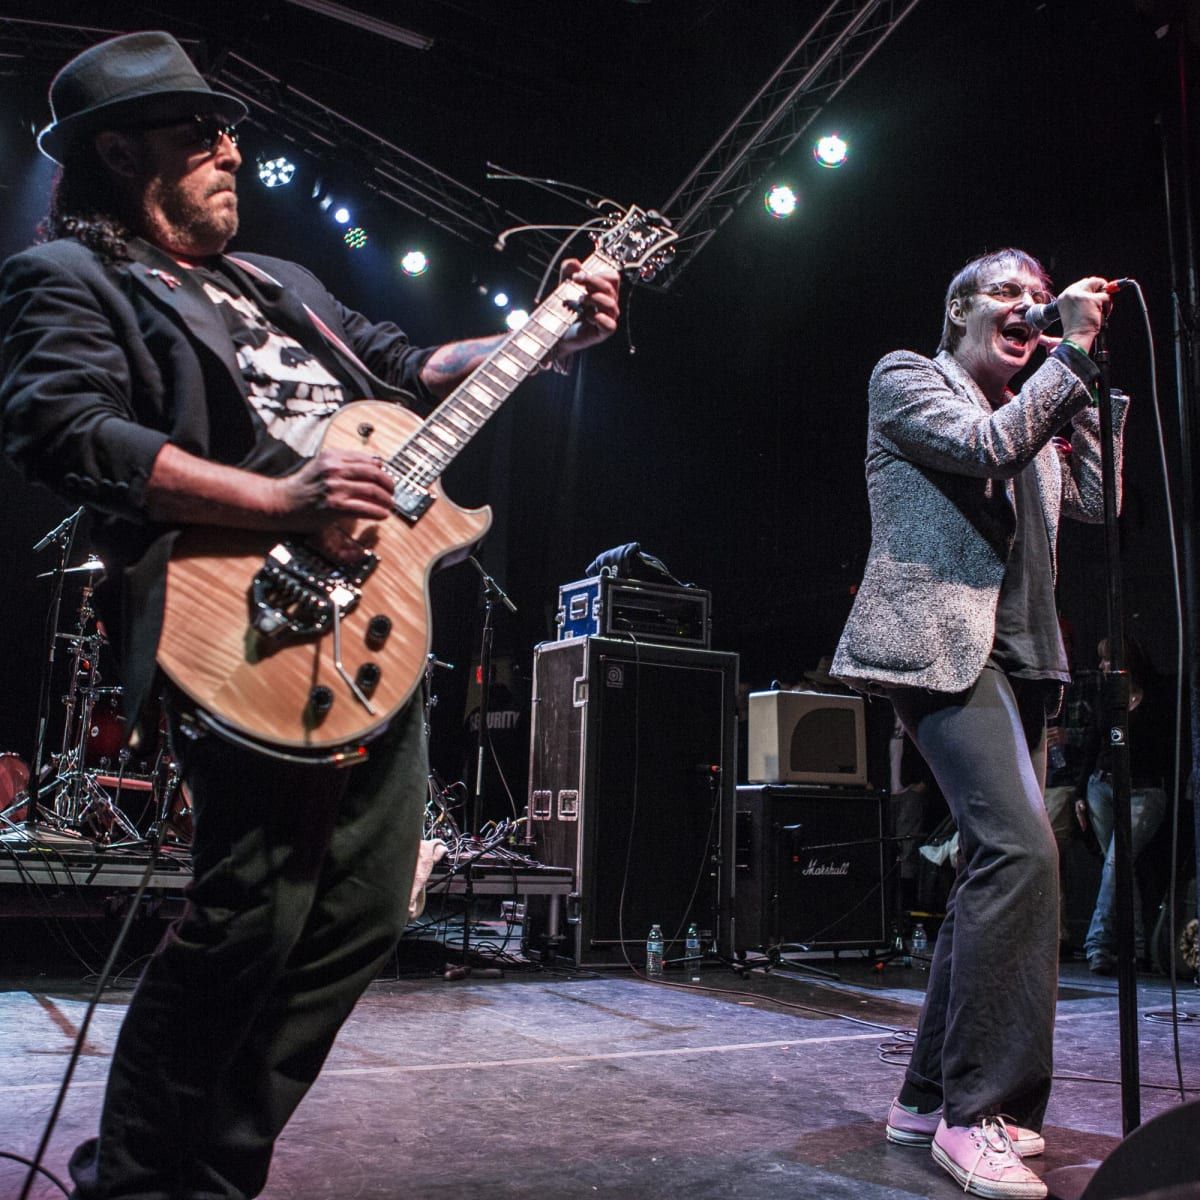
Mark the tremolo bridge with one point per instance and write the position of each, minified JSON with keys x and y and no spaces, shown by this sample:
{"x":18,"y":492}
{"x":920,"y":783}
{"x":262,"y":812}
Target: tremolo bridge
{"x":299,"y":593}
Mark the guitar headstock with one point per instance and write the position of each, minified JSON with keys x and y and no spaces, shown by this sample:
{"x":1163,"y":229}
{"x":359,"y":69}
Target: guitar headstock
{"x":638,"y":240}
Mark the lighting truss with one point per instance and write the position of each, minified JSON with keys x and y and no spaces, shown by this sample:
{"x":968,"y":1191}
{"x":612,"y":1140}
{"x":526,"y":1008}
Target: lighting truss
{"x":829,"y":55}
{"x":314,"y":129}
{"x":839,"y":43}
{"x":385,"y":29}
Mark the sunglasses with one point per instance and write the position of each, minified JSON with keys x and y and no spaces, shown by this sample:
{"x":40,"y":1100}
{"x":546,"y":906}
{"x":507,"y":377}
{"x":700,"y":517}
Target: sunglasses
{"x":1011,"y":290}
{"x":203,"y":130}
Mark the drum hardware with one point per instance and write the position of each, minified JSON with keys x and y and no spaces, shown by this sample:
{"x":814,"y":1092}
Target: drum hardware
{"x":439,"y":819}
{"x":172,"y":825}
{"x":93,"y":566}
{"x":82,"y":785}
{"x":34,"y":826}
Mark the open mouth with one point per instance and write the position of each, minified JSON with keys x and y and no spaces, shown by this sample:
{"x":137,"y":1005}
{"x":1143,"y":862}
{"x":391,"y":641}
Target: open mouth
{"x":1017,"y":334}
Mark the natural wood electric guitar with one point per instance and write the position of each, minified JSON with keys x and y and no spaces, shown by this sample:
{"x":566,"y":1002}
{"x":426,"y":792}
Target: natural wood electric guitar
{"x":277,"y":643}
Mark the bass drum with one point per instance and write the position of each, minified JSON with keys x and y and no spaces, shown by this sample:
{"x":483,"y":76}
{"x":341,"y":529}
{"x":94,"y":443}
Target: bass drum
{"x":14,"y":784}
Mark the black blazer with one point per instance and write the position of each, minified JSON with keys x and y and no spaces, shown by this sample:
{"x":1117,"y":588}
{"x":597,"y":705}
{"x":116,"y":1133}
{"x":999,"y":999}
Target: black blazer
{"x":102,"y":365}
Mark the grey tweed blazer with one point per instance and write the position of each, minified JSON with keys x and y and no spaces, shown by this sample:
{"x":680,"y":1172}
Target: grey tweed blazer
{"x":940,"y":464}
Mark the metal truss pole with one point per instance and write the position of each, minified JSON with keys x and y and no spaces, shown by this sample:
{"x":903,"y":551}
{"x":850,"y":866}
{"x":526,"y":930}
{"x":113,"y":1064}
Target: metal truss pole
{"x":839,"y":43}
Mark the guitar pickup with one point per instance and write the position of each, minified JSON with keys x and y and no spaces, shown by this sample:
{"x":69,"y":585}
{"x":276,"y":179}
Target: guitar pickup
{"x":410,"y":502}
{"x":296,"y":591}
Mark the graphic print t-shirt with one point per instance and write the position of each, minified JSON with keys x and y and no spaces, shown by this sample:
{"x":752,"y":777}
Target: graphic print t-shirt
{"x":292,"y":390}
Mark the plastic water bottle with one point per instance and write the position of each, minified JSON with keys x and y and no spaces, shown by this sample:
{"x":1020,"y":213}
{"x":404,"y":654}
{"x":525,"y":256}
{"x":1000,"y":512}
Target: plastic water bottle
{"x":920,"y":947}
{"x":1056,"y":758}
{"x":654,"y":952}
{"x":691,"y":953}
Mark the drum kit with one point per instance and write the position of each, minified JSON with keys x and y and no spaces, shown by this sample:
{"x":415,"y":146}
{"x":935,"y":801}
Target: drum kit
{"x":95,"y":787}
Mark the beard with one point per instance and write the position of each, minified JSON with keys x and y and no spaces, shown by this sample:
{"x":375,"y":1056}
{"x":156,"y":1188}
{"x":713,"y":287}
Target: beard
{"x":187,"y":222}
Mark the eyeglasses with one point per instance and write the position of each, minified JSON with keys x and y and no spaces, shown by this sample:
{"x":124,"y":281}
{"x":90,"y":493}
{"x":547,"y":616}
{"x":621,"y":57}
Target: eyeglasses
{"x":1009,"y":289}
{"x":202,"y":130}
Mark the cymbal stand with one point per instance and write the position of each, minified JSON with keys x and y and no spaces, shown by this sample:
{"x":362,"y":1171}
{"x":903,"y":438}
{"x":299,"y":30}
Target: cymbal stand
{"x":62,"y":536}
{"x":78,"y":796}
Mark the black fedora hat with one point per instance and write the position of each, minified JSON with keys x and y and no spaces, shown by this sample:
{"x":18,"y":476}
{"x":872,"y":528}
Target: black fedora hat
{"x":135,"y":78}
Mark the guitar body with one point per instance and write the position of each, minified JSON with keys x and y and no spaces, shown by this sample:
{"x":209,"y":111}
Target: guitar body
{"x":262,"y":688}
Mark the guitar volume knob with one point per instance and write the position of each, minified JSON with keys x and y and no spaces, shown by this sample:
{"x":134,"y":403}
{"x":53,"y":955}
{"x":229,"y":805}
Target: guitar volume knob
{"x":367,"y":677}
{"x":320,"y":701}
{"x":378,"y":628}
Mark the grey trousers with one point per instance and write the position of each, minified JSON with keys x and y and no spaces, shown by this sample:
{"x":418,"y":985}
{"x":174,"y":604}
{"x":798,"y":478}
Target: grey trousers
{"x":986,"y":1033}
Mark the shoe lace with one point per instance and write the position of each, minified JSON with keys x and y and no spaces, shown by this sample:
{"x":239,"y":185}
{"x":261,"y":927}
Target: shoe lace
{"x":994,"y":1143}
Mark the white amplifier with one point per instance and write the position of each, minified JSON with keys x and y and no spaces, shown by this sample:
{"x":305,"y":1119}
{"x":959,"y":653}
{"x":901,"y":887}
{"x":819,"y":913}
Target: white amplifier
{"x":807,"y":737}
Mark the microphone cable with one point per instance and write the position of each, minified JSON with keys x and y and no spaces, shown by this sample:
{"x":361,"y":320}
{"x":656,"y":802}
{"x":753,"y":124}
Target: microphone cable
{"x":35,"y":1165}
{"x":1174,"y":1014}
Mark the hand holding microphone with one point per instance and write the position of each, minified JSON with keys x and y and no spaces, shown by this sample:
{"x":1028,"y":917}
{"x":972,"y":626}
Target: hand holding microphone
{"x":1080,"y":307}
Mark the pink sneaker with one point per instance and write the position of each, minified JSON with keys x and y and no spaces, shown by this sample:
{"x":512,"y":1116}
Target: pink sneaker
{"x":907,"y":1128}
{"x":981,"y":1158}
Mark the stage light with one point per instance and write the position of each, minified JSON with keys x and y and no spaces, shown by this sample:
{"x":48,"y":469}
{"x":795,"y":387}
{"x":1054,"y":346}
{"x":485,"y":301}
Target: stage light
{"x":275,"y":172}
{"x":355,"y":237}
{"x":342,"y":215}
{"x":830,"y":151}
{"x":414,"y":263}
{"x":516,"y":318}
{"x":500,"y":299}
{"x":780,"y":201}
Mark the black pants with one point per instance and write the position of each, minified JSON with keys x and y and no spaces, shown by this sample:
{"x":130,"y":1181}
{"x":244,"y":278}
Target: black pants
{"x":300,"y":891}
{"x":986,"y":1035}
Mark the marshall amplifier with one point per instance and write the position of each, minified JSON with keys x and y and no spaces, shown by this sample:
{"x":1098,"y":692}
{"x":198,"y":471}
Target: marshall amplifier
{"x":610,"y":606}
{"x":809,"y":868}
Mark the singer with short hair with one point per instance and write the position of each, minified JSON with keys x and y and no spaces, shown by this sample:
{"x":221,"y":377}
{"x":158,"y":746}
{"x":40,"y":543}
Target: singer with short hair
{"x":955,"y":623}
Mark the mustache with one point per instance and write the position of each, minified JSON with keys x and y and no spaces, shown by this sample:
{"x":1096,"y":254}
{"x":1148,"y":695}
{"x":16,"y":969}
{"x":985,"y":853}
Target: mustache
{"x":223,"y":185}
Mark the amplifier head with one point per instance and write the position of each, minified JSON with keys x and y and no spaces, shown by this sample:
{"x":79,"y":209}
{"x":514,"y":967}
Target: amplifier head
{"x":807,"y":737}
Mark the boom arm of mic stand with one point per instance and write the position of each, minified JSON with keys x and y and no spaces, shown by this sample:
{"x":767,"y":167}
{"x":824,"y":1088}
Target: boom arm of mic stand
{"x":1115,"y":707}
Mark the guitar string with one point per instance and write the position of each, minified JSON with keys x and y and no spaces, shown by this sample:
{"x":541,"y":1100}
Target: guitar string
{"x":421,"y":473}
{"x":414,"y":471}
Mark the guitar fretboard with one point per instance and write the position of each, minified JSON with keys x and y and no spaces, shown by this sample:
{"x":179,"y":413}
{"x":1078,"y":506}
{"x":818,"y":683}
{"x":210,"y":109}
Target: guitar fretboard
{"x":448,"y":430}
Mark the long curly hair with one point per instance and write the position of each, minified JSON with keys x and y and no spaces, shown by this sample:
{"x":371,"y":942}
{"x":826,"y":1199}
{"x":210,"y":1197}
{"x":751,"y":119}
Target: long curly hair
{"x":85,"y":205}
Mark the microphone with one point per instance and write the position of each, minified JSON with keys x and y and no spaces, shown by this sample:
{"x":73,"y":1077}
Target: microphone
{"x":58,"y":531}
{"x":1042,"y":316}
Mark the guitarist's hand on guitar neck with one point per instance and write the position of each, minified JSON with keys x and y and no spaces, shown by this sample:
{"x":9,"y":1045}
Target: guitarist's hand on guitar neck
{"x":185,"y":489}
{"x":599,"y":313}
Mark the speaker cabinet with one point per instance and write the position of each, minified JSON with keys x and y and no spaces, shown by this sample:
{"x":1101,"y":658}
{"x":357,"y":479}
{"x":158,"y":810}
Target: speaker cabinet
{"x":631,"y":785}
{"x":809,"y":868}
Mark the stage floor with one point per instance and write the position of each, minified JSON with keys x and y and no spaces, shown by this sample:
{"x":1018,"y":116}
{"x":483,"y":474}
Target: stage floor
{"x":559,"y":1084}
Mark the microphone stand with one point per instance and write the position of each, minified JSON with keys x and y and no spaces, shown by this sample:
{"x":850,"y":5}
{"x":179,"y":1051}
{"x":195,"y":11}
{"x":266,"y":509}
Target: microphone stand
{"x":1114,"y":700}
{"x":492,"y":592}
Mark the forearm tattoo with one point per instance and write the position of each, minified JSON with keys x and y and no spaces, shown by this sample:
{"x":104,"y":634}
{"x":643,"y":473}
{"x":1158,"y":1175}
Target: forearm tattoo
{"x":458,"y":358}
